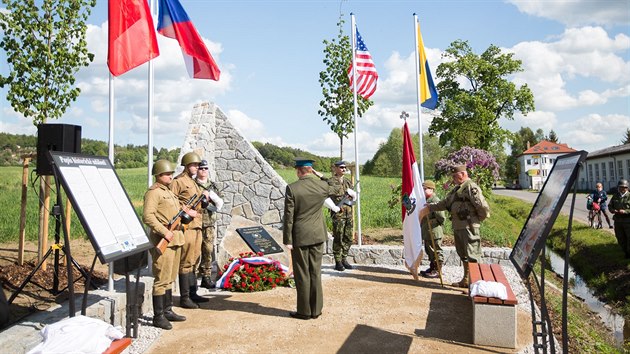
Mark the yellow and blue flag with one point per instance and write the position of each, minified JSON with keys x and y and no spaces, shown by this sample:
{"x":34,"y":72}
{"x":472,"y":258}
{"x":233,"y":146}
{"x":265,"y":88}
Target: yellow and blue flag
{"x":428,"y":93}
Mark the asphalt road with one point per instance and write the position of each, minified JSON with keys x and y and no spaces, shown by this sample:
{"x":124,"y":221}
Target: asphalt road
{"x":580,"y":214}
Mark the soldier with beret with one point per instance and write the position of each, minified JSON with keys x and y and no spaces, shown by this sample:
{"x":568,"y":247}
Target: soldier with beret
{"x":468,"y":207}
{"x":185,"y":187}
{"x":432,"y":232}
{"x":208,"y":220}
{"x":304,"y":233}
{"x":160,"y":207}
{"x":342,"y":221}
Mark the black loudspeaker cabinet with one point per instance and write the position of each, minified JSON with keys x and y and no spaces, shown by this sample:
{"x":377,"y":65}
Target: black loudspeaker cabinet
{"x":131,"y":263}
{"x":55,"y":137}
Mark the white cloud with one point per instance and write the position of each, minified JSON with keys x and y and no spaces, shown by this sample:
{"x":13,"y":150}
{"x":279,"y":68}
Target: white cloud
{"x":593,"y":131}
{"x":579,"y":53}
{"x":577,"y":12}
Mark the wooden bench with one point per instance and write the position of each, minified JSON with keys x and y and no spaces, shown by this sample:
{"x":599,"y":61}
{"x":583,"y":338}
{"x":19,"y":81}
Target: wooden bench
{"x":118,"y":346}
{"x":494,"y":320}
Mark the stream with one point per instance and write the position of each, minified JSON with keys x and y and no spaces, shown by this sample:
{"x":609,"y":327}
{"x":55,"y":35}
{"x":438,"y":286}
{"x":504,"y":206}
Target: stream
{"x":579,"y":289}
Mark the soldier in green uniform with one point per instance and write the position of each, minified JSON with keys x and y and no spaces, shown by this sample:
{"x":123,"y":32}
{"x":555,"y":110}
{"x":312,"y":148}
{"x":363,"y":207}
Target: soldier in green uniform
{"x":304,"y":233}
{"x":207,"y":224}
{"x":341,"y":221}
{"x":160,"y":207}
{"x":468,"y":207}
{"x":619,"y":206}
{"x":184,"y":187}
{"x":434,"y":221}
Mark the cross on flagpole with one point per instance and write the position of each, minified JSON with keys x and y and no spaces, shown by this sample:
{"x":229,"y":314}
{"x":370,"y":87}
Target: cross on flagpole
{"x":404,"y":115}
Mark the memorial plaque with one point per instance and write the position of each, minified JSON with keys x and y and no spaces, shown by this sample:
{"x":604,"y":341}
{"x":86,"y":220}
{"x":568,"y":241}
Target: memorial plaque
{"x":259,"y":240}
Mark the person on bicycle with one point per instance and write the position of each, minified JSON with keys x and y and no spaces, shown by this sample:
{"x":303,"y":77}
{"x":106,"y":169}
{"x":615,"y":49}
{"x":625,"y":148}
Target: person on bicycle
{"x":599,"y":196}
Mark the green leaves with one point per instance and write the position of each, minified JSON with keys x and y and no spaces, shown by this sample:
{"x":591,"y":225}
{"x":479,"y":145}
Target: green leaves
{"x":45,"y":48}
{"x":337,"y":106}
{"x":474,"y":94}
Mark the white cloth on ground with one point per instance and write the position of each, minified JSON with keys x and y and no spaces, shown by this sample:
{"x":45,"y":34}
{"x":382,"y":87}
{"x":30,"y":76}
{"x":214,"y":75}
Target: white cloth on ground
{"x":488,"y":289}
{"x":79,"y":334}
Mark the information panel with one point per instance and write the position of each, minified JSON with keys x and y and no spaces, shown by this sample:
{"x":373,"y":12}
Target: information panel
{"x":545,"y":211}
{"x":102,"y":205}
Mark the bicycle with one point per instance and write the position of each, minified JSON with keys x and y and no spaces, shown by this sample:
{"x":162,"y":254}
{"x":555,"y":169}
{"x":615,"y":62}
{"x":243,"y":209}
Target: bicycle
{"x":594,"y":213}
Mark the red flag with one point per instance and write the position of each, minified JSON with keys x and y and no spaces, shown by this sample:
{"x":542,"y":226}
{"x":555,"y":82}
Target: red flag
{"x":412,"y":201}
{"x":366,"y":71}
{"x":174,"y":23}
{"x":132,"y":39}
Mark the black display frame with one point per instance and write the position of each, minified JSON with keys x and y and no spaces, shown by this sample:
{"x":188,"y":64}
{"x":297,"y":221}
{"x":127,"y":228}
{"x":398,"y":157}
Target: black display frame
{"x":80,"y":174}
{"x":543,"y":214}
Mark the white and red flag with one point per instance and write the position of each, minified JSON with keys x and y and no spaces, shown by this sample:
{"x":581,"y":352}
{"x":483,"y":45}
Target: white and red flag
{"x":412,"y":201}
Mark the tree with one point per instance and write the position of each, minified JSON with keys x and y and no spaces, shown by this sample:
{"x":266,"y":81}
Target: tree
{"x":45,"y":48}
{"x":518,"y":145}
{"x":470,"y":114}
{"x":552,"y":137}
{"x":626,"y":138}
{"x":387,"y":160}
{"x":337,"y":107}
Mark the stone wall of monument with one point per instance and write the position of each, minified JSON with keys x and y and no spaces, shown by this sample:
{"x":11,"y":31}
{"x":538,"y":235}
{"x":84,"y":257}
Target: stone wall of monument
{"x":250,"y":186}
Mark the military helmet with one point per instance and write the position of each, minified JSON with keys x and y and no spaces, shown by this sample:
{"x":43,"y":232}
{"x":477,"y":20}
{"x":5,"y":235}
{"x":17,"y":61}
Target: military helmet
{"x":623,"y":183}
{"x":162,"y":166}
{"x":189,"y":158}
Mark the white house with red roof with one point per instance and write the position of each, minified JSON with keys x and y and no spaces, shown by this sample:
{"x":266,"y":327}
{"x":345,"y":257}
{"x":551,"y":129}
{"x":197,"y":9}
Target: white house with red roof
{"x":536,"y":162}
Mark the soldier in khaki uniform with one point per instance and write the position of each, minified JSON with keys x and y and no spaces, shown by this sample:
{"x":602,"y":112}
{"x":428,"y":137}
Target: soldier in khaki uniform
{"x":160,"y":207}
{"x":184,"y":187}
{"x":619,"y":206}
{"x":342,"y":221}
{"x":435,"y":220}
{"x":304,"y":233}
{"x":207,"y":225}
{"x":468,"y":208}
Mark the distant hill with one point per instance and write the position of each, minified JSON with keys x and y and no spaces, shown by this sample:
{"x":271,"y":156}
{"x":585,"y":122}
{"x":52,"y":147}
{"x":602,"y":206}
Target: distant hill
{"x":14,"y":146}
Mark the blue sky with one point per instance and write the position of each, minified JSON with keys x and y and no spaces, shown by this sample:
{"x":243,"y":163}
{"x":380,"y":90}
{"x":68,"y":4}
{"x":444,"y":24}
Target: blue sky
{"x":576,"y":59}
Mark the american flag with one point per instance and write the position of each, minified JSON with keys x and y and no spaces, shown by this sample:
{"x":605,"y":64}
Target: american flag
{"x":366,"y":72}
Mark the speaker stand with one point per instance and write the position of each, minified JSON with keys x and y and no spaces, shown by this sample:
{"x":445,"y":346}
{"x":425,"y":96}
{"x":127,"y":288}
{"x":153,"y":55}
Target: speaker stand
{"x":60,"y":218}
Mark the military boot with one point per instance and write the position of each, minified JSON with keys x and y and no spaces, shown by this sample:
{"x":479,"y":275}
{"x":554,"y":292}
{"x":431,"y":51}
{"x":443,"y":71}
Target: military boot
{"x":345,"y":264}
{"x":159,"y":320}
{"x":168,"y":308}
{"x":184,"y":293}
{"x":193,"y":289}
{"x":428,"y":270}
{"x":339,"y":266}
{"x":206,"y":282}
{"x":464,"y":282}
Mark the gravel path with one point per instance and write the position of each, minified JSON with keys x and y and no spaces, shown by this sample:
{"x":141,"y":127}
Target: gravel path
{"x":155,"y":340}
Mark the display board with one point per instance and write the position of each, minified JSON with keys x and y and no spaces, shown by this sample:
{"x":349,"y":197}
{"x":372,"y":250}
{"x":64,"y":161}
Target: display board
{"x":102,"y":205}
{"x":545,"y":211}
{"x":259,"y":240}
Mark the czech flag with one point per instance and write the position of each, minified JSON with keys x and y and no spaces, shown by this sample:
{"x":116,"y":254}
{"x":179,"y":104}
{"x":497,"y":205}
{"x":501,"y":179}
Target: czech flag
{"x":412,"y":201}
{"x":132,"y":39}
{"x":173,"y":22}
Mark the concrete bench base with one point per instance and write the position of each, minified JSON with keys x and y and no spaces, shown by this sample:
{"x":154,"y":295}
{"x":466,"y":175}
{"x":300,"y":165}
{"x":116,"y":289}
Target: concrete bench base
{"x":494,"y":325}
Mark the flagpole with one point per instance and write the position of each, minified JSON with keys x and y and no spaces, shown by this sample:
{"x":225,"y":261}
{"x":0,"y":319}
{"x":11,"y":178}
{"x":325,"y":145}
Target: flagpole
{"x":150,"y":113}
{"x":356,"y":145}
{"x":110,"y":265}
{"x":420,"y":147}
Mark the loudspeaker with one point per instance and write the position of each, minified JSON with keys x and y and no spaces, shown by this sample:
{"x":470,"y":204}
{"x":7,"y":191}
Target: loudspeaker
{"x":55,"y":137}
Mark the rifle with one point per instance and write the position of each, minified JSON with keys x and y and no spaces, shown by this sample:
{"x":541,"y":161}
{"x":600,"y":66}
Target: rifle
{"x":174,"y":225}
{"x":347,"y":198}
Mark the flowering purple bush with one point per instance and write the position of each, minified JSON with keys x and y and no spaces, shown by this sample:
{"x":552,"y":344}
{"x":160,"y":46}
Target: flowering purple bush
{"x":482,"y":166}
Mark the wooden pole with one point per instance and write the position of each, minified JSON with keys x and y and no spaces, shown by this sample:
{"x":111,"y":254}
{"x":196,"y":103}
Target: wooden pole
{"x":44,"y":190}
{"x":22,"y":236}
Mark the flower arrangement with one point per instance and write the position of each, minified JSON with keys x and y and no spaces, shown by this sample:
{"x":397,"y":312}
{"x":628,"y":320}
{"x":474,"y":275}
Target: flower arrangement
{"x":253,"y":272}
